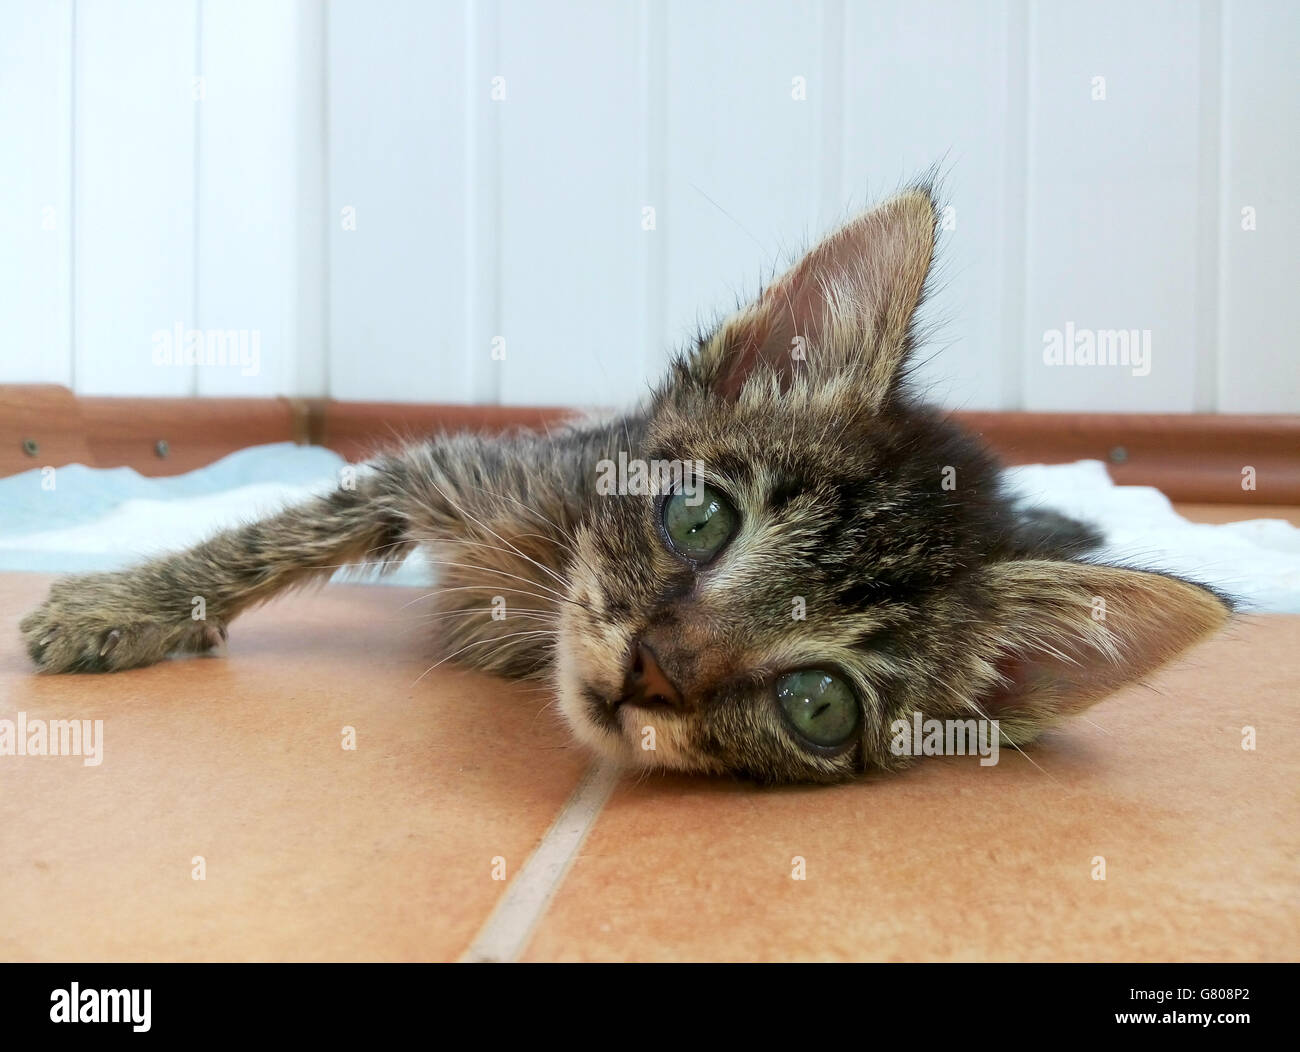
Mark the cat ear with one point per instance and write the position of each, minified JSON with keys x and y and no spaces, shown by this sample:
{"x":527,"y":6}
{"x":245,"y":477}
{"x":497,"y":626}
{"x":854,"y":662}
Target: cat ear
{"x":846,"y":305}
{"x":1064,"y":635}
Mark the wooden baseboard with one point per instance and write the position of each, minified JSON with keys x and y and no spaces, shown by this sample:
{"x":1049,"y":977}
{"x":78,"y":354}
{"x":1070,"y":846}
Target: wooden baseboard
{"x":1200,"y":457}
{"x":1191,"y":457}
{"x":43,"y":424}
{"x":356,"y":429}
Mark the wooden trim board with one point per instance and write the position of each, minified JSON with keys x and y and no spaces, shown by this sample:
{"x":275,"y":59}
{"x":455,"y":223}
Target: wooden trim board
{"x":1191,"y":457}
{"x":1197,"y":457}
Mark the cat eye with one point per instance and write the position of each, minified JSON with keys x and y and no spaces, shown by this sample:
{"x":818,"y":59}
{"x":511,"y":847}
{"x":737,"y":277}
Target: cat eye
{"x":698,"y":522}
{"x":819,"y":706}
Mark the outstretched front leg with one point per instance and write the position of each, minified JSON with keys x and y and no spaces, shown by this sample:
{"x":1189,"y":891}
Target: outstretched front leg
{"x":183,"y":601}
{"x":500,"y":508}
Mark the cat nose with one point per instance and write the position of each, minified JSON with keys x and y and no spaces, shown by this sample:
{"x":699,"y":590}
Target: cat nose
{"x":645,"y":683}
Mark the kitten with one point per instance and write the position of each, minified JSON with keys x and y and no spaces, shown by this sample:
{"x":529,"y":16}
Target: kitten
{"x":772,"y":608}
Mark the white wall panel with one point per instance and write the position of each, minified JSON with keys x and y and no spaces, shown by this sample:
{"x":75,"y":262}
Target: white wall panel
{"x":397,"y":157}
{"x":250,"y":196}
{"x":743,"y":148}
{"x":1113,"y":199}
{"x":136,"y":202}
{"x":1259,"y":360}
{"x":133,"y":179}
{"x":35,"y":182}
{"x":570,"y":206}
{"x":926,"y":83}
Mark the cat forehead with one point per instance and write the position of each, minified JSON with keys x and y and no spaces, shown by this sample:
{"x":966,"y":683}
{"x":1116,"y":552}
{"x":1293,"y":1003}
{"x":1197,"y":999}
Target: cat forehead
{"x":886,"y":502}
{"x":800,"y":570}
{"x":771,"y":463}
{"x":811,"y":508}
{"x":792,"y":427}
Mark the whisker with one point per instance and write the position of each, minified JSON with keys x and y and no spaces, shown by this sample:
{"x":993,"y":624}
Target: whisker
{"x":512,"y":550}
{"x":563,"y":534}
{"x":519,"y":611}
{"x":503,"y":573}
{"x":478,"y":643}
{"x":480,"y":588}
{"x":498,"y":536}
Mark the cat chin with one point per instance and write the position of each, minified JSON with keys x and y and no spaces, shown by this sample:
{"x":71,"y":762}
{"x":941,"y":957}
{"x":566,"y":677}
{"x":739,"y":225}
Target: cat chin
{"x":620,"y":746}
{"x":603,"y":742}
{"x":623,"y":743}
{"x":623,"y":746}
{"x":573,"y":703}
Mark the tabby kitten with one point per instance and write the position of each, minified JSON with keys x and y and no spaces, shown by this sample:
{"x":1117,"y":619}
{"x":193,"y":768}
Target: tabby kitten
{"x":769,"y":610}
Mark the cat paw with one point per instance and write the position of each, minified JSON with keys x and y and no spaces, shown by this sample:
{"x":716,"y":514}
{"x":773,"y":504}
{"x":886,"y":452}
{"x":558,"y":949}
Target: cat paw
{"x":92,"y":624}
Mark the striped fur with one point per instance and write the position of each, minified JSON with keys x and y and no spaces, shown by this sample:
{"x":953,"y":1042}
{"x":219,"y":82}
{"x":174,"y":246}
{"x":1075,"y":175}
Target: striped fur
{"x":886,"y":525}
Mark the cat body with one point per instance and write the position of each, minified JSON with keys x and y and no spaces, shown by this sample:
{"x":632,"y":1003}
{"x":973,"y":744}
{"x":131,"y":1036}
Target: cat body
{"x":835,"y":557}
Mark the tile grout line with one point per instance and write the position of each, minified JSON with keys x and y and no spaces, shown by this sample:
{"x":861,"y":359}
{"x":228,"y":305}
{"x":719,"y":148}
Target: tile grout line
{"x":509,"y":928}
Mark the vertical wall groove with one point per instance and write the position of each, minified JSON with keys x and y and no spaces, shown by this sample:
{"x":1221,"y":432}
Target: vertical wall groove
{"x":324,"y":241}
{"x":72,"y":197}
{"x":832,"y":113}
{"x":1017,"y":187}
{"x":1223,"y":172}
{"x":1208,"y":286}
{"x":652,"y":73}
{"x":307,"y":277}
{"x":482,"y":199}
{"x":196,"y":318}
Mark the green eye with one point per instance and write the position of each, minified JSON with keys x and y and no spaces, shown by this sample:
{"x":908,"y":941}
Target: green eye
{"x":699,"y":522}
{"x":820,"y":706}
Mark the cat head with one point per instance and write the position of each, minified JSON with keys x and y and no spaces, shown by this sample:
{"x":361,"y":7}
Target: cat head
{"x":821,"y":556}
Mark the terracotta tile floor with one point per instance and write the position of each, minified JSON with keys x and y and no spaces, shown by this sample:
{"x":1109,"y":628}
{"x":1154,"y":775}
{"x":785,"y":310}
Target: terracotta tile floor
{"x":387,"y":852}
{"x":312,"y":852}
{"x":950,"y":861}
